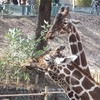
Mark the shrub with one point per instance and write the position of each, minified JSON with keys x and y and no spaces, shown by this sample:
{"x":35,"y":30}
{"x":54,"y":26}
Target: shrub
{"x":84,"y":2}
{"x":18,"y":51}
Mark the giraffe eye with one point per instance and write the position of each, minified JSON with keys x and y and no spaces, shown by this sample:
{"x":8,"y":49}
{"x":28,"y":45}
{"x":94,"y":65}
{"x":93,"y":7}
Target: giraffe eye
{"x":65,"y":22}
{"x":64,"y":60}
{"x":46,"y":59}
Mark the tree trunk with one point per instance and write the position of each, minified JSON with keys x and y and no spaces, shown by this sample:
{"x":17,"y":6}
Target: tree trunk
{"x":44,"y":14}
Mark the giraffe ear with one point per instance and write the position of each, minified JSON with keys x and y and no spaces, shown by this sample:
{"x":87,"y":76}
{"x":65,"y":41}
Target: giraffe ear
{"x":76,"y":22}
{"x":65,"y":60}
{"x":73,"y":57}
{"x":69,"y":59}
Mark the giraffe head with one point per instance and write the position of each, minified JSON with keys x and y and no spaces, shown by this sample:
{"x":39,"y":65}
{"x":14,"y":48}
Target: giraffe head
{"x":49,"y":59}
{"x":41,"y":62}
{"x":61,"y":24}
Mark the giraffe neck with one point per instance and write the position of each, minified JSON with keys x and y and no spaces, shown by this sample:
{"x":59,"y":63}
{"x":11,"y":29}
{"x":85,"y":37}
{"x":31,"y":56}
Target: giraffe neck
{"x":61,"y":82}
{"x":57,"y":79}
{"x":79,"y":81}
{"x":77,"y":49}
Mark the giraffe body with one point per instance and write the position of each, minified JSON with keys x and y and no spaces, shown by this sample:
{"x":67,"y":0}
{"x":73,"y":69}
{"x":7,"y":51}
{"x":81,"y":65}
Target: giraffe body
{"x":78,"y":80}
{"x":70,"y":77}
{"x":42,"y":63}
{"x":69,"y":92}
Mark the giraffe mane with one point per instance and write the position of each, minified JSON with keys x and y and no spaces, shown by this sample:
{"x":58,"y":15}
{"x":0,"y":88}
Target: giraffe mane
{"x":85,"y":73}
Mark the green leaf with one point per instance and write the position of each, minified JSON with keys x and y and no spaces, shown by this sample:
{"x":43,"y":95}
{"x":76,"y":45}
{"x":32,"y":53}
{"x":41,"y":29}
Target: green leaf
{"x":46,"y":22}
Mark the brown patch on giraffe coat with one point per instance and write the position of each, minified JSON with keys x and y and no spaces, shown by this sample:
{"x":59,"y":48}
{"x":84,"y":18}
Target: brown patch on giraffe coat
{"x":87,"y":84}
{"x":72,"y":38}
{"x":77,"y":36}
{"x":74,"y":29}
{"x":62,"y":75}
{"x":83,"y":72}
{"x":85,"y":96}
{"x":76,"y":96}
{"x":77,"y":74}
{"x":77,"y":61}
{"x":58,"y":71}
{"x":74,"y":81}
{"x":83,"y":59}
{"x":55,"y":69}
{"x":95,"y":93}
{"x":80,"y":46}
{"x":67,"y":79}
{"x":60,"y":80}
{"x":66,"y":71}
{"x":68,"y":89}
{"x":74,"y":49}
{"x":70,"y":94}
{"x":97,"y":90}
{"x":60,"y":67}
{"x":63,"y":65}
{"x":51,"y":67}
{"x":78,"y":89}
{"x":53,"y":75}
{"x":73,"y":99}
{"x":70,"y":67}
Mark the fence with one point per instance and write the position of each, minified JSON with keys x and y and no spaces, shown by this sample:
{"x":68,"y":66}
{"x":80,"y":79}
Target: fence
{"x":10,"y":9}
{"x":44,"y":94}
{"x":95,"y":72}
{"x":16,"y":91}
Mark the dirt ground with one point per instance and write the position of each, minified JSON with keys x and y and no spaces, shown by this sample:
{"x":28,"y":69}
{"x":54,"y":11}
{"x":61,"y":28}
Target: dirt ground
{"x":89,"y":32}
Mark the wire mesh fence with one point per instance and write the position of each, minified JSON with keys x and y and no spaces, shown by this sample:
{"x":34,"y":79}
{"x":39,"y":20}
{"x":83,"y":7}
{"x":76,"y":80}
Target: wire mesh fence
{"x":24,"y":94}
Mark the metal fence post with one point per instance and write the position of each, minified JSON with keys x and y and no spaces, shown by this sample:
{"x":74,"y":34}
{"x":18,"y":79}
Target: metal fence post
{"x":37,"y":79}
{"x":17,"y":80}
{"x":7,"y":78}
{"x":46,"y":95}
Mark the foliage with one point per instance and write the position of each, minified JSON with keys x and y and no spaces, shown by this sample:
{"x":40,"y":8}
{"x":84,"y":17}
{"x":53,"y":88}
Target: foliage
{"x":84,"y":2}
{"x":45,"y":27}
{"x":36,"y":3}
{"x":18,"y":51}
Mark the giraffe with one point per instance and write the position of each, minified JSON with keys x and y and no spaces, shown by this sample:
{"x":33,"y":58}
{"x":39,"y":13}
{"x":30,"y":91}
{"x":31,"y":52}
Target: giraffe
{"x":41,"y":63}
{"x":78,"y":80}
{"x":63,"y":25}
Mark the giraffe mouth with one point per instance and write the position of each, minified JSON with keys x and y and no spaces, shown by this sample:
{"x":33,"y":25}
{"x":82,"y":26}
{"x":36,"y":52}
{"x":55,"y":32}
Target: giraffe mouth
{"x":51,"y":35}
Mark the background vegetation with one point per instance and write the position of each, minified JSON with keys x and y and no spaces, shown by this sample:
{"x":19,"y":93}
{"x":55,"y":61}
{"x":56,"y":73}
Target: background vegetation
{"x":84,"y":2}
{"x":20,"y":49}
